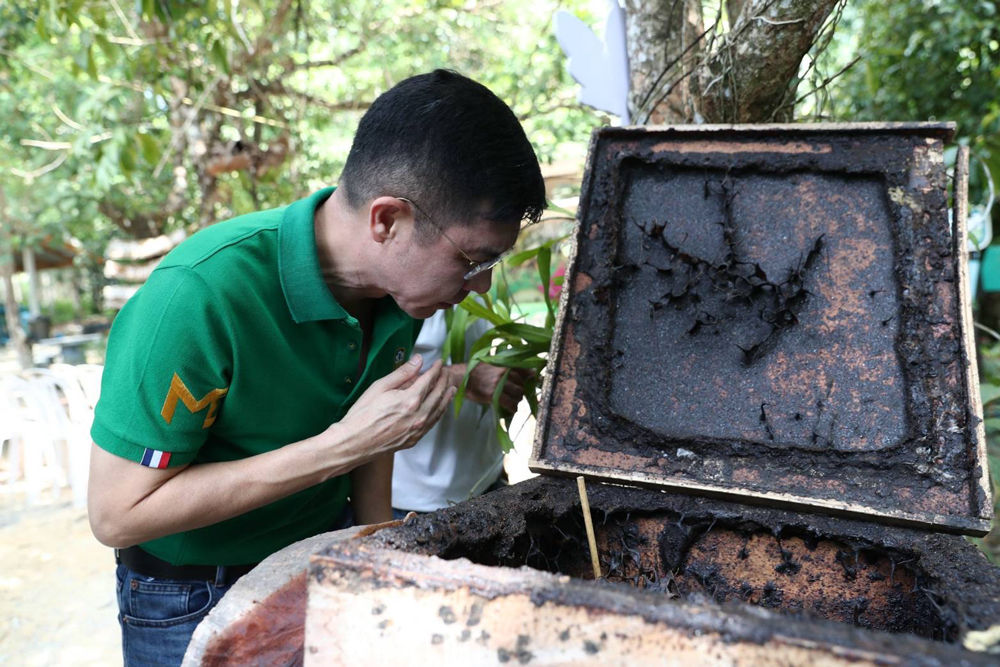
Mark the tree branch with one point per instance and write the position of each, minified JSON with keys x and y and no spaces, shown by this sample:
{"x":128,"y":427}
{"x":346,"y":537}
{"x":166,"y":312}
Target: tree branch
{"x":656,"y":31}
{"x":62,"y":145}
{"x":760,"y":57}
{"x":51,"y":166}
{"x":121,"y":16}
{"x":333,"y":62}
{"x":263,"y":44}
{"x":278,"y":88}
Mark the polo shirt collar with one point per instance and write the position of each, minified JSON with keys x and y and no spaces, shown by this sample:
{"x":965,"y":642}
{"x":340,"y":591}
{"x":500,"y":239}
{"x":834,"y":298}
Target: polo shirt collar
{"x":308,"y":297}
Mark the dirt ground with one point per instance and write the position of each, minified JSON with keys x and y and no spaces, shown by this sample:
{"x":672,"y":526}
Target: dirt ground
{"x":57,"y":588}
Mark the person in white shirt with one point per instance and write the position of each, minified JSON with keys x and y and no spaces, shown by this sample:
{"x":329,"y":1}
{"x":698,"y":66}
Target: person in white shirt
{"x":459,"y":457}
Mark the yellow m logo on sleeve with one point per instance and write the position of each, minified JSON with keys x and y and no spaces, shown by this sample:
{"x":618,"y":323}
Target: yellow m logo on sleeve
{"x":178,"y":391}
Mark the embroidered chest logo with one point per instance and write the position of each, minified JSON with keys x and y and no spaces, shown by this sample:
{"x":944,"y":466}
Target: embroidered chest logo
{"x":399,"y":358}
{"x":178,"y":391}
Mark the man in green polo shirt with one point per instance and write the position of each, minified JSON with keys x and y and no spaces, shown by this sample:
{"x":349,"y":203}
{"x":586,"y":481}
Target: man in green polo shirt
{"x":262,"y":375}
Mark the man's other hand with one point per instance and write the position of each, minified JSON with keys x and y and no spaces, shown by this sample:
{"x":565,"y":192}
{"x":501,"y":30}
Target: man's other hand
{"x":397,"y":410}
{"x":483,"y":382}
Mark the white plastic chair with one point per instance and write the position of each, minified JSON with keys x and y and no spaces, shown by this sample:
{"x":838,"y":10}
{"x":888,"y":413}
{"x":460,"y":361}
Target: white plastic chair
{"x":89,"y":376}
{"x":32,"y":440}
{"x":69,"y":420}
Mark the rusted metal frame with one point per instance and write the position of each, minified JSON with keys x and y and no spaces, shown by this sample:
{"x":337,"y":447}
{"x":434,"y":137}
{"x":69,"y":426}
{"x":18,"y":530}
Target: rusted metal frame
{"x":982,"y":487}
{"x":538,"y":464}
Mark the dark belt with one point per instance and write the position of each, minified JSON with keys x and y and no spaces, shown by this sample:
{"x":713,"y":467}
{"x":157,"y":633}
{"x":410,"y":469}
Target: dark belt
{"x":142,"y":562}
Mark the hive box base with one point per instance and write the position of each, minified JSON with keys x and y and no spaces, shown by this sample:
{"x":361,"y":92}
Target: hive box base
{"x":504,"y":577}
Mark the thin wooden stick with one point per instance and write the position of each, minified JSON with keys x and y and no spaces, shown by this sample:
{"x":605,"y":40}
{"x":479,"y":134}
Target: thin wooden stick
{"x":590,"y":527}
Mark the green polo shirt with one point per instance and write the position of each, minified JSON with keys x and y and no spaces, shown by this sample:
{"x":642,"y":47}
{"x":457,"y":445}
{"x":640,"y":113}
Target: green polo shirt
{"x":235,"y":347}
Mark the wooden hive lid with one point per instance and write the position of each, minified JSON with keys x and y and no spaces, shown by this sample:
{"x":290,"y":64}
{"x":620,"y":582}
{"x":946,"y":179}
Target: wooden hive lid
{"x":774,"y":313}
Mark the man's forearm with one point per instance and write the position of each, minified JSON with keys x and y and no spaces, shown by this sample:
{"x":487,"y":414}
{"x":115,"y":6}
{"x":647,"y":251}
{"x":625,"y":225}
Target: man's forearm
{"x":130,"y":504}
{"x":371,"y":491}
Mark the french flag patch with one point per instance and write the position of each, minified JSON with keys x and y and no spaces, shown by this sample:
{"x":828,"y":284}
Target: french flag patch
{"x":154,"y":458}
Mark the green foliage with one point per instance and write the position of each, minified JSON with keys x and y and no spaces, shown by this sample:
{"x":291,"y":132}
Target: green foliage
{"x":113,"y":119}
{"x":990,"y":392}
{"x":511,"y":342}
{"x":62,"y":312}
{"x":925,"y":60}
{"x":933,"y":60}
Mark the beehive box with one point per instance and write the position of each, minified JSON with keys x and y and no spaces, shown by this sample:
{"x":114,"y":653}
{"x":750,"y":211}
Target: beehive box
{"x":777,"y":314}
{"x":769,"y":327}
{"x":686,"y":580}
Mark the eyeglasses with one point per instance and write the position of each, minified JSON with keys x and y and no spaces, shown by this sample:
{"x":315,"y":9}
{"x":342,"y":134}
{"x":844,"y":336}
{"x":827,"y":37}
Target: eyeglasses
{"x":475,"y":268}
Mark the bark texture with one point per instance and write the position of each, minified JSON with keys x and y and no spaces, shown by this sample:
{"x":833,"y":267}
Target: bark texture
{"x":749,"y":74}
{"x":662,"y":38}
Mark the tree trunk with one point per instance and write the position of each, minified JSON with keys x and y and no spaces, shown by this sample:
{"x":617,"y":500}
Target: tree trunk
{"x":662,"y":38}
{"x":13,"y":314}
{"x":748,"y":76}
{"x":34,"y":284}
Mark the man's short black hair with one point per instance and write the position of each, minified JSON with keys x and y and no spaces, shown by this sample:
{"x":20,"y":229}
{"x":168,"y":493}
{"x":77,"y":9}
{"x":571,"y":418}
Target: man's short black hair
{"x":449,"y":144}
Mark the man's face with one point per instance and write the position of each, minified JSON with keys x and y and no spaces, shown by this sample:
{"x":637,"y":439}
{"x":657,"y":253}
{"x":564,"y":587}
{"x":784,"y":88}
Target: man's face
{"x":429,"y":272}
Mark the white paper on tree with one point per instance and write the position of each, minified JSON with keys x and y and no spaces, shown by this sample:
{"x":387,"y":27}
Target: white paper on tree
{"x":601,"y":68}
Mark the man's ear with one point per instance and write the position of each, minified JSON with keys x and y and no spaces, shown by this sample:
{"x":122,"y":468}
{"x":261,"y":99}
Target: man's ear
{"x":384,"y":217}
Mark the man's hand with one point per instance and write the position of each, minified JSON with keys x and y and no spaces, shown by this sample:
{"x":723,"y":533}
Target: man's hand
{"x":483,"y":382}
{"x":129,"y":503}
{"x":396,"y":411}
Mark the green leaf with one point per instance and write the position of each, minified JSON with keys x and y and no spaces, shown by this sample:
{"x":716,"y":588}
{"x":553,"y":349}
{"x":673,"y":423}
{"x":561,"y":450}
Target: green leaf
{"x":456,"y":336}
{"x":473,"y":306}
{"x":127,"y":160}
{"x":559,"y":209}
{"x":107,"y":47}
{"x":463,"y":385}
{"x":522,"y":357}
{"x":531,"y":394}
{"x":527,"y":332}
{"x":149,"y":147}
{"x":219,"y":56}
{"x":498,"y":392}
{"x":989,"y":393}
{"x":545,"y":273}
{"x":40,"y":27}
{"x":484,"y":342}
{"x":506,"y":444}
{"x":544,"y":270}
{"x":505,"y":441}
{"x":520,"y":258}
{"x":502,"y":310}
{"x":503,"y":289}
{"x":449,"y":318}
{"x":91,"y":64}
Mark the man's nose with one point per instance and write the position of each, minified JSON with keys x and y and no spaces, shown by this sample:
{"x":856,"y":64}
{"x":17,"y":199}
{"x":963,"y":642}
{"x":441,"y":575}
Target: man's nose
{"x":480,"y":283}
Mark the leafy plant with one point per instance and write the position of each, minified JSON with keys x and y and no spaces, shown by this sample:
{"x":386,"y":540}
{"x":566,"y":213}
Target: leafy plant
{"x":990,"y":391}
{"x":512,"y":342}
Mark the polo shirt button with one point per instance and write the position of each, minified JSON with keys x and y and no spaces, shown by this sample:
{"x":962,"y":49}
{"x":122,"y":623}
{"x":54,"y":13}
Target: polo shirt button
{"x":352,"y":345}
{"x":347,"y":379}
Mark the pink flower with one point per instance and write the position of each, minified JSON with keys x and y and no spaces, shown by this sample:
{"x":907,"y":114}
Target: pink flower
{"x":553,"y":287}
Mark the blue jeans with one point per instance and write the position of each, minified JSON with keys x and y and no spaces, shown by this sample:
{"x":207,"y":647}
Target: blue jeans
{"x":158,"y":616}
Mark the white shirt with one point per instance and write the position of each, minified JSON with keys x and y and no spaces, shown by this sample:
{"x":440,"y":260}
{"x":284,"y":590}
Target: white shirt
{"x":459,"y":457}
